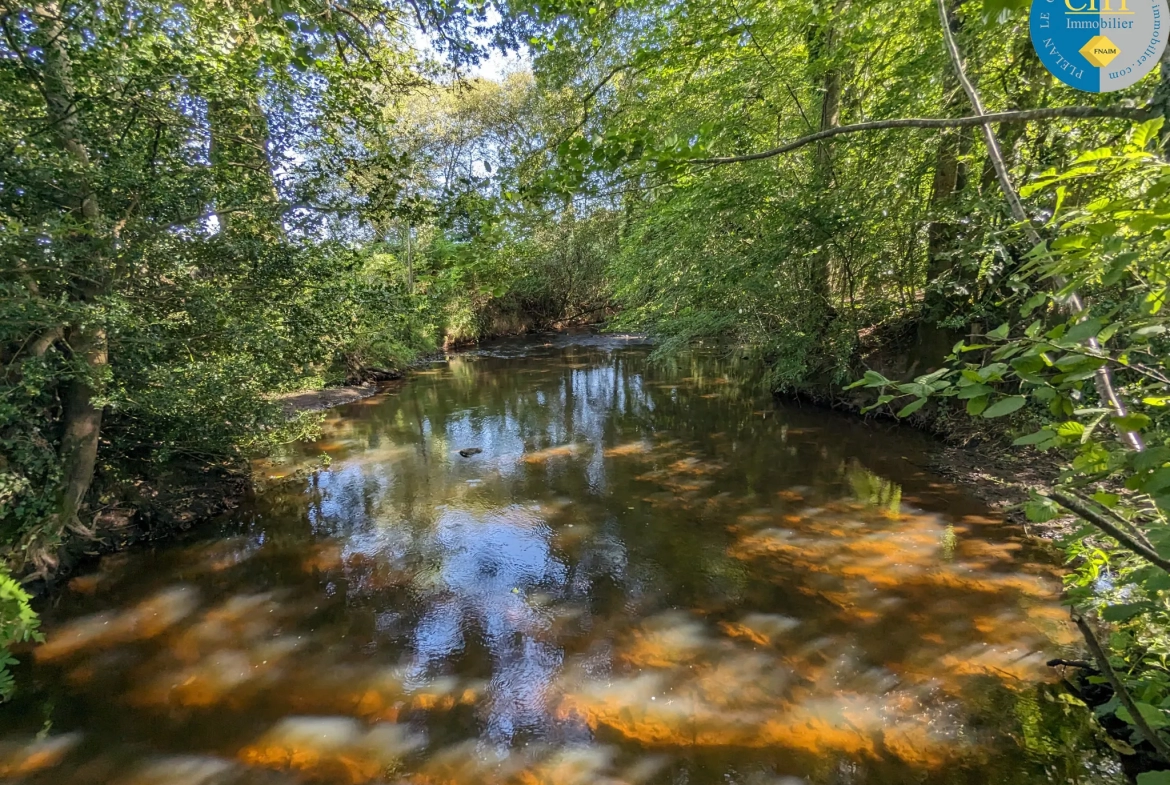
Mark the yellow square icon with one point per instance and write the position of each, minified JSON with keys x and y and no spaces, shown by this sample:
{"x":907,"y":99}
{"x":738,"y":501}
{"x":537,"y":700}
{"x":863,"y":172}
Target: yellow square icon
{"x":1100,"y":51}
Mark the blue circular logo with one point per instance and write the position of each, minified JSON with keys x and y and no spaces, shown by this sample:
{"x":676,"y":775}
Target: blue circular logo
{"x":1099,"y":45}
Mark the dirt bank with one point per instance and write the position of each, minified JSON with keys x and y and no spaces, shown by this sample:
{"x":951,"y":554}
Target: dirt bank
{"x":320,"y":400}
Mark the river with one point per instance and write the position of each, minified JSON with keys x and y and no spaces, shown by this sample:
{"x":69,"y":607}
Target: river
{"x":650,"y":573}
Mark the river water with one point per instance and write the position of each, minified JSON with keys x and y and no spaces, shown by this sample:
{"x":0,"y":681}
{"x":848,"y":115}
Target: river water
{"x":651,"y":573}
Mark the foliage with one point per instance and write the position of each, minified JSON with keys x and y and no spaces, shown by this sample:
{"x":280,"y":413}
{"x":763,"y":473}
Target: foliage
{"x":796,"y":258}
{"x":199,"y":209}
{"x":1110,"y":238}
{"x":18,"y":624}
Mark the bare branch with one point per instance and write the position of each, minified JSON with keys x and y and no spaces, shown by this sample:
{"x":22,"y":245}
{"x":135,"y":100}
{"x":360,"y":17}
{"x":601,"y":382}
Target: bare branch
{"x":1072,"y":303}
{"x":1136,"y":114}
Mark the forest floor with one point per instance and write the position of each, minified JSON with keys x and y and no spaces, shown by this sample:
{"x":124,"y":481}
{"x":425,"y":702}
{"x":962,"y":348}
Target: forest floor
{"x":1001,"y":480}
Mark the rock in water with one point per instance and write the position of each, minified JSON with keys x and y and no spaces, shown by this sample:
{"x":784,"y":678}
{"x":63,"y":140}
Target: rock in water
{"x":467,"y":452}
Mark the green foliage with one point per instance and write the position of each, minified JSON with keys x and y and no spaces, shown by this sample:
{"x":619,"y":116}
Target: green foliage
{"x":18,"y":624}
{"x":205,"y":206}
{"x":1111,"y":242}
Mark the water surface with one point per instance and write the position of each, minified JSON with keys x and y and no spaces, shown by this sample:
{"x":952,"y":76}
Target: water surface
{"x":652,"y":573}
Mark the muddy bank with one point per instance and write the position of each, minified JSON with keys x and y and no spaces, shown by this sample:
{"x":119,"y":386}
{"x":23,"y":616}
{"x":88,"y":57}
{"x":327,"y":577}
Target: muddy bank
{"x":319,"y":400}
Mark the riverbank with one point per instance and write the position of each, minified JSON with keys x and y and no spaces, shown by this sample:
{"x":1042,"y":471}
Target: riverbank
{"x":977,"y":458}
{"x":294,"y":403}
{"x":973,"y":452}
{"x":186,"y":495}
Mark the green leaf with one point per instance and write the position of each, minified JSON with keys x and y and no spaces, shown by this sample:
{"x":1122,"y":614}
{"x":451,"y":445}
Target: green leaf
{"x":1125,"y":611}
{"x":975,"y":406}
{"x":1154,"y":717}
{"x":974,"y":391}
{"x":1131,"y":422}
{"x":1147,"y":131}
{"x":880,"y":402}
{"x":1040,"y":510}
{"x":1034,"y":438}
{"x":1109,"y":500}
{"x":1156,"y":482}
{"x":1082,"y":331}
{"x":1033,"y":302}
{"x":912,"y":407}
{"x":1005,"y":406}
{"x":1153,"y":777}
{"x":1001,"y":332}
{"x":870,"y":379}
{"x":1152,"y":458}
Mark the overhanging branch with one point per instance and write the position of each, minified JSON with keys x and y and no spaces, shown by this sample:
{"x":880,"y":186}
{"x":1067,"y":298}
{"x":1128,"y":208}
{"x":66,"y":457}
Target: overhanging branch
{"x":1134,"y":113}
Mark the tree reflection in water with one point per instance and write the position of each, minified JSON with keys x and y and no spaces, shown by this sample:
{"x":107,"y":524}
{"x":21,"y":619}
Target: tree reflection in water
{"x":650,"y":574}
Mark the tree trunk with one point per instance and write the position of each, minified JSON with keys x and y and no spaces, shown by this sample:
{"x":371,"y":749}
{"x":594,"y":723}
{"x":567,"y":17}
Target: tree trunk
{"x":949,"y":172}
{"x":830,"y":103}
{"x":822,"y":50}
{"x":83,"y":423}
{"x":88,"y":342}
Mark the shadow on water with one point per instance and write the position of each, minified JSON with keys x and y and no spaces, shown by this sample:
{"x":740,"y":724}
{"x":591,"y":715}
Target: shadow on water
{"x":650,"y":574}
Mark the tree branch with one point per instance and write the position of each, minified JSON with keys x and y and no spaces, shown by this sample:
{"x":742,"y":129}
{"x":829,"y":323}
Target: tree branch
{"x":1078,"y":507}
{"x":1119,"y":689}
{"x":1134,"y":113}
{"x":1073,"y":303}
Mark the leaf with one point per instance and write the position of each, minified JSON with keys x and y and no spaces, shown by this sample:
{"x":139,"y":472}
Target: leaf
{"x":1153,"y":777}
{"x":912,"y":407}
{"x":974,"y":391}
{"x":1152,"y":458}
{"x":1082,"y":331}
{"x":1028,"y":364}
{"x":999,"y":333}
{"x":880,"y":402}
{"x":975,"y":406}
{"x":870,"y":379}
{"x":1131,"y":422}
{"x":1041,"y":510}
{"x":1150,"y":331}
{"x":1144,"y":133}
{"x":1125,"y":611}
{"x":1156,"y":482}
{"x":1033,"y":438}
{"x":1154,"y":717}
{"x":1033,"y":302}
{"x":1005,"y":406}
{"x":1109,"y":500}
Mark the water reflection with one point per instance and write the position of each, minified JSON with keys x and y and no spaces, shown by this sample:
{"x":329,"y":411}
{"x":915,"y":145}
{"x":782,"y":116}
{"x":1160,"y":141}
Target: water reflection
{"x":648,"y":574}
